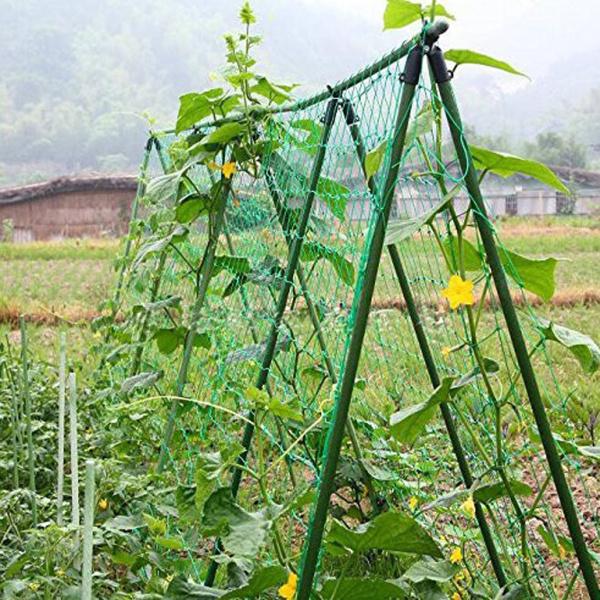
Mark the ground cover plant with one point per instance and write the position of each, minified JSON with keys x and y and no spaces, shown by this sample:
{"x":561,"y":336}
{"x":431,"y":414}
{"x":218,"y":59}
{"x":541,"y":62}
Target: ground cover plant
{"x":216,"y":381}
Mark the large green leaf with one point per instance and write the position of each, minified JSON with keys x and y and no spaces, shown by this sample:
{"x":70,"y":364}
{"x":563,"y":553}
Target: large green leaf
{"x":400,"y":13}
{"x":261,"y":581}
{"x":276,"y":93}
{"x":374,"y":158}
{"x":431,"y":570}
{"x":236,"y":265}
{"x":335,"y":195}
{"x":242,"y":533}
{"x":507,"y":165}
{"x":224,"y":133}
{"x":461,"y":57}
{"x":312,"y":251}
{"x":407,"y":424}
{"x":401,"y":230}
{"x":311,"y":141}
{"x":355,"y":588}
{"x":182,"y":589}
{"x":536,"y":275}
{"x":391,"y":531}
{"x":423,"y":122}
{"x":491,"y":367}
{"x":192,"y":206}
{"x":140,"y":381}
{"x":582,"y":346}
{"x":154,"y":246}
{"x":493,"y":491}
{"x":194,"y":107}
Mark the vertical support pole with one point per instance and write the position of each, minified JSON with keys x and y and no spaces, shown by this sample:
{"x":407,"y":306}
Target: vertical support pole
{"x":205,"y":275}
{"x":88,"y":530}
{"x":361,"y":308}
{"x":27,"y":404}
{"x":74,"y":450}
{"x":442,"y":78}
{"x":141,"y":189}
{"x":293,"y":259}
{"x":15,"y":425}
{"x":60,"y":475}
{"x":421,"y":336}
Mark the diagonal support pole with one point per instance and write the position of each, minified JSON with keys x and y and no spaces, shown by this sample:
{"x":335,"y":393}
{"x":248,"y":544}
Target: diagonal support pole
{"x":459,"y":453}
{"x":205,"y":275}
{"x":444,"y":86}
{"x":293,"y":260}
{"x":361,"y":308}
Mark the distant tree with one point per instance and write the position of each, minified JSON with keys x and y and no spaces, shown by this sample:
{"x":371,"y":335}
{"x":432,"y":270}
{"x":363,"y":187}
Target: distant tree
{"x":556,"y":149}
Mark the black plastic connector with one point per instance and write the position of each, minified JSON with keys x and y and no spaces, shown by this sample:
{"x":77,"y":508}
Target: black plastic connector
{"x":437,"y":62}
{"x":434,"y":32}
{"x":412,"y":68}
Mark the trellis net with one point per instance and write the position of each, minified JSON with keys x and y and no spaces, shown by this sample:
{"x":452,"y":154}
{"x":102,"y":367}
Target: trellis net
{"x":221,"y":391}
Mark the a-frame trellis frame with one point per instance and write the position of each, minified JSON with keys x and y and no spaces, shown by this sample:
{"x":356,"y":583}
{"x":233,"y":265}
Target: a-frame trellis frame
{"x":423,"y":46}
{"x":442,"y":78}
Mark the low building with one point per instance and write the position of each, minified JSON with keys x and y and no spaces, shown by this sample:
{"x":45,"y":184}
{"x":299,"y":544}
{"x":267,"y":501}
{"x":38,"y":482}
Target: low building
{"x":68,"y":208}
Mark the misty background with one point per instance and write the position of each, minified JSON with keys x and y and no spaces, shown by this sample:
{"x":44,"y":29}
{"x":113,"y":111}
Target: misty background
{"x":79,"y":80}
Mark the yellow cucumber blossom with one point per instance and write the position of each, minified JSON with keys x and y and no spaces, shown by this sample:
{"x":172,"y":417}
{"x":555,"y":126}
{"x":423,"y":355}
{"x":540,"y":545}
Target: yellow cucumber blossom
{"x":228,"y":169}
{"x":103,"y":504}
{"x":288,"y":590}
{"x":456,"y":555}
{"x":459,"y":292}
{"x":446,"y":350}
{"x":468,"y":507}
{"x":412,"y":503}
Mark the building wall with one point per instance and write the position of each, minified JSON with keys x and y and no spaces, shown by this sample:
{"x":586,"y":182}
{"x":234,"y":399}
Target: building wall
{"x":83,"y":213}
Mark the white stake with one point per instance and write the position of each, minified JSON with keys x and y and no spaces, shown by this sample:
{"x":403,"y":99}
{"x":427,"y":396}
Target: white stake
{"x":88,"y":530}
{"x":62,"y":368}
{"x":74,"y":454}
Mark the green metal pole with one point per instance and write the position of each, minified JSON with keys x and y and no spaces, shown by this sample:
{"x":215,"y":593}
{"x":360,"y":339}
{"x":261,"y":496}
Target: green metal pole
{"x":421,"y":336}
{"x":314,"y":319}
{"x":205,"y":275}
{"x":293,"y":259}
{"x":88,"y":530}
{"x":62,"y":380}
{"x":27,"y":404}
{"x":465,"y":159}
{"x":361,"y":308}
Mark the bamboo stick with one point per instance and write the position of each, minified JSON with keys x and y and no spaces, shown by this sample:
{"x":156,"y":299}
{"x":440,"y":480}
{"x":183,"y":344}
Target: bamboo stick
{"x":62,"y":368}
{"x":74,"y":450}
{"x":88,"y":530}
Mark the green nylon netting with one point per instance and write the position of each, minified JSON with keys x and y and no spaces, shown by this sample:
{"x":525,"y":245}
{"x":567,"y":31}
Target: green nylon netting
{"x":237,"y":317}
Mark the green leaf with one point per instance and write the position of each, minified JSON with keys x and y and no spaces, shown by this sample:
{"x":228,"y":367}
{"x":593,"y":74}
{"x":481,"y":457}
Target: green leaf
{"x":311,"y":142}
{"x":284,"y":411}
{"x":276,"y":93}
{"x":400,"y":13}
{"x":156,"y":246}
{"x":493,"y":491}
{"x":590,"y":451}
{"x":536,"y":275}
{"x":374,"y":158}
{"x":507,"y":165}
{"x":124,"y":523}
{"x":140,"y":381}
{"x":490,"y":366}
{"x":390,"y":531}
{"x":224,"y":134}
{"x":155,"y":526}
{"x":431,"y":570}
{"x":582,"y":346}
{"x":423,"y":122}
{"x":167,"y":340}
{"x":335,"y":195}
{"x":401,"y":230}
{"x":312,"y":251}
{"x":194,"y":107}
{"x":191,"y":207}
{"x":461,"y":57}
{"x":514,"y":592}
{"x":407,"y":424}
{"x":236,"y":265}
{"x":170,"y":542}
{"x":242,"y":533}
{"x":164,"y":188}
{"x":355,"y":588}
{"x":182,"y":589}
{"x":262,"y":580}
{"x":533,"y":274}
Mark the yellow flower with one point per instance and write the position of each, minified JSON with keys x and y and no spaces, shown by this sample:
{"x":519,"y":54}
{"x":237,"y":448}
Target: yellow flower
{"x":468,"y":507}
{"x":228,"y":169}
{"x":103,"y":504}
{"x":456,"y":596}
{"x":60,"y":573}
{"x":562,"y":553}
{"x":446,"y":350}
{"x":456,"y":555}
{"x":288,"y":590}
{"x":33,"y":586}
{"x":213,"y":166}
{"x":413,"y":502}
{"x":459,"y":292}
